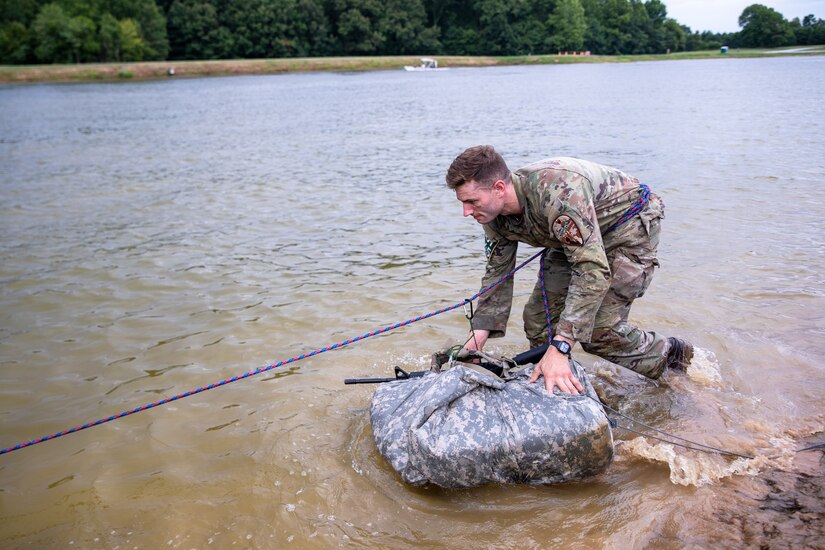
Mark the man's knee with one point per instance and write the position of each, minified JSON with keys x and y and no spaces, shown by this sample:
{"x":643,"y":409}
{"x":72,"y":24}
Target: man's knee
{"x":630,"y":347}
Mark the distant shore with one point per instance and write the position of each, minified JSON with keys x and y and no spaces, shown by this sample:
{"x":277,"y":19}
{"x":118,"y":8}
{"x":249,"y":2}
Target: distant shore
{"x":108,"y":72}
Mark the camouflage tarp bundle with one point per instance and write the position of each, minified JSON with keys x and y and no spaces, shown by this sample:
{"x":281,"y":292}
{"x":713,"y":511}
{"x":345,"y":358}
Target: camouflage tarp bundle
{"x":466,"y":427}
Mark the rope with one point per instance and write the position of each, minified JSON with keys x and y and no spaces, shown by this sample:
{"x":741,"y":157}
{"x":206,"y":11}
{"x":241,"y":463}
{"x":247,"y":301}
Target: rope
{"x":704,"y":449}
{"x":651,"y":436}
{"x":640,"y":203}
{"x":544,"y":296}
{"x":637,"y":207}
{"x":272,"y":366}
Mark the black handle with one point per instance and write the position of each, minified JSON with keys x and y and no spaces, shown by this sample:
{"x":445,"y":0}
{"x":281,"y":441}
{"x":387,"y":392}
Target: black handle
{"x":531,"y":356}
{"x":400,"y":374}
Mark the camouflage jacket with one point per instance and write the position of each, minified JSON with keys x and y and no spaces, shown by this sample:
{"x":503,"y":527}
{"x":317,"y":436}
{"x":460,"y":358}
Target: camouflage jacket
{"x":567,"y":203}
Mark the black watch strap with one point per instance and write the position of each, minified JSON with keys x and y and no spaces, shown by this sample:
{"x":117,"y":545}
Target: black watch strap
{"x":562,"y":346}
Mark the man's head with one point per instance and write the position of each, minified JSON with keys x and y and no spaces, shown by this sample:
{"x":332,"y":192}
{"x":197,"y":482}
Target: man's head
{"x":481,"y":164}
{"x":481,"y":181}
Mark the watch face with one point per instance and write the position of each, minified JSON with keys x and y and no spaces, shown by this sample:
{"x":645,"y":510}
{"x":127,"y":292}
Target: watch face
{"x":562,"y":346}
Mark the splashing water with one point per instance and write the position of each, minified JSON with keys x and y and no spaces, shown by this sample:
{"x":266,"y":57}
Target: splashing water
{"x":704,"y":368}
{"x":703,"y":469}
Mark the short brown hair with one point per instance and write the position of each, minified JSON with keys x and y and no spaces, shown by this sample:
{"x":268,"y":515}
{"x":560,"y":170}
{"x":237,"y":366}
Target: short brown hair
{"x":481,"y":164}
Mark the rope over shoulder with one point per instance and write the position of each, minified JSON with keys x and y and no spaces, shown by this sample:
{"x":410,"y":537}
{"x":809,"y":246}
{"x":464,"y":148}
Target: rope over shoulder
{"x":274,"y":365}
{"x":637,"y":207}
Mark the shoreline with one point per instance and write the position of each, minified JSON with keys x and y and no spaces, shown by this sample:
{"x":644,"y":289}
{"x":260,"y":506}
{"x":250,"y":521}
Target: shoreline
{"x":156,"y":70}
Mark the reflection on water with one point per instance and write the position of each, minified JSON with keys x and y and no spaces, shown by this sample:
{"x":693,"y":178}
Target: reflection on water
{"x":159,"y":237}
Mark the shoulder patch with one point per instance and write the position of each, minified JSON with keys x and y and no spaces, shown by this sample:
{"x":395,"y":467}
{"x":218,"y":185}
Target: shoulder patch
{"x":567,"y":231}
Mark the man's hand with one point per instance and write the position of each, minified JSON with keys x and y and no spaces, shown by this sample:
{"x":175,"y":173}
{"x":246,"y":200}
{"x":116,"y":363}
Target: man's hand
{"x":477,"y":340}
{"x":555,"y":367}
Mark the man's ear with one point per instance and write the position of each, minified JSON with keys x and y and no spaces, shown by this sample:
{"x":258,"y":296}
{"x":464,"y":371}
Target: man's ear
{"x":499,"y":186}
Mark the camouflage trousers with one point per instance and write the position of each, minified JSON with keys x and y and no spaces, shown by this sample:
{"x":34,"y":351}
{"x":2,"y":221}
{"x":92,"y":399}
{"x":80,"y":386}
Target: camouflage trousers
{"x":632,"y":262}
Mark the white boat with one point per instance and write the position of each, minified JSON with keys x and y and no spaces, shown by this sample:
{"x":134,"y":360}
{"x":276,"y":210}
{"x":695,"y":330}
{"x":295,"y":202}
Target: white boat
{"x":427,"y":64}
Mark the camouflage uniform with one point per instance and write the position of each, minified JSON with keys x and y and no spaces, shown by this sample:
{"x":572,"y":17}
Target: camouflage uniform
{"x":464,"y":428}
{"x":591,"y":276}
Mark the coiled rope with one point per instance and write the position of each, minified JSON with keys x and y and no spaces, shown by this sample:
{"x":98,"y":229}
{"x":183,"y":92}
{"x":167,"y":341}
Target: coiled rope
{"x":272,"y":366}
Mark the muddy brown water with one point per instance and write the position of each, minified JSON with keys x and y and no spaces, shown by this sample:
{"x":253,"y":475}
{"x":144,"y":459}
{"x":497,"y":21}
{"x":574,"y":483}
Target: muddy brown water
{"x":158,"y":237}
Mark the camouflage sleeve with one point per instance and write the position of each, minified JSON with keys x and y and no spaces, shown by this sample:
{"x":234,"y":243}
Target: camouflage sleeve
{"x":574,"y":223}
{"x":493,"y":309}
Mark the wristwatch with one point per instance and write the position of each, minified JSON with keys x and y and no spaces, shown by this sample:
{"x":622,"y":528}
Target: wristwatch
{"x":561,"y":345}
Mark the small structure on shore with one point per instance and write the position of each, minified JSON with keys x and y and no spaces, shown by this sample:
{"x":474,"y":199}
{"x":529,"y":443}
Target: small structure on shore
{"x":427,"y":64}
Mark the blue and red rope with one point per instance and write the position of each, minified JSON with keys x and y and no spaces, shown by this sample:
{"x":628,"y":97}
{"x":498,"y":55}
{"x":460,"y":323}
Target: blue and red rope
{"x":632,"y":211}
{"x":270,"y":367}
{"x":637,"y":207}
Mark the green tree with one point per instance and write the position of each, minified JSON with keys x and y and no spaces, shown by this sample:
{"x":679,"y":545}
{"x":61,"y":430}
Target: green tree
{"x":195,"y":32}
{"x":594,"y":37}
{"x":263,"y":28}
{"x":357,"y":25}
{"x":567,"y":25}
{"x":459,"y":23}
{"x":109,"y":37}
{"x":657,"y":32}
{"x":810,"y":31}
{"x":404,"y":26}
{"x":49,"y":30}
{"x":461,"y":40}
{"x":152,"y":28}
{"x":764,"y":27}
{"x":14,"y":43}
{"x":151,"y":24}
{"x":132,"y":47}
{"x":674,"y":36}
{"x":504,"y":27}
{"x":19,"y":11}
{"x":64,"y":39}
{"x":259,"y":28}
{"x":616,"y":16}
{"x":640,"y":30}
{"x":81,"y":35}
{"x":311,"y":28}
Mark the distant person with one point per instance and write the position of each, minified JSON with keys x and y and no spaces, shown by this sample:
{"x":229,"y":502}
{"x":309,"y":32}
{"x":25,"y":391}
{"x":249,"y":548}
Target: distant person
{"x":600,"y":229}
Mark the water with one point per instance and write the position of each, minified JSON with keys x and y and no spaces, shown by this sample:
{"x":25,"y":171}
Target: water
{"x":158,"y":237}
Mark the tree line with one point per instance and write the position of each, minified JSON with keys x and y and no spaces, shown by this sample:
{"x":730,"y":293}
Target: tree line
{"x":81,"y":31}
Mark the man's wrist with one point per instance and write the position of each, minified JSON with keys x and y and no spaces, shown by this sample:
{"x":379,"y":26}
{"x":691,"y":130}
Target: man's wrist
{"x":563,"y":345}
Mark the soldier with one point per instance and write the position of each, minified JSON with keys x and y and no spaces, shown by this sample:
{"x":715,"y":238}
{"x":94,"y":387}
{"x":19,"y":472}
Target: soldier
{"x":600,"y":229}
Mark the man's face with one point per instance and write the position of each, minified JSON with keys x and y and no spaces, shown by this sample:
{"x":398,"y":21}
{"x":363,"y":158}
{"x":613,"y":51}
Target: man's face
{"x":480,"y":202}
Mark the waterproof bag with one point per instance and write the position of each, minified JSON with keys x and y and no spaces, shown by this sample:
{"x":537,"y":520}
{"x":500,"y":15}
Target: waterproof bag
{"x":465,"y":427}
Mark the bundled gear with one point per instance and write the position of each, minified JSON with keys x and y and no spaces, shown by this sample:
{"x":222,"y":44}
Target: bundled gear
{"x":462,"y":425}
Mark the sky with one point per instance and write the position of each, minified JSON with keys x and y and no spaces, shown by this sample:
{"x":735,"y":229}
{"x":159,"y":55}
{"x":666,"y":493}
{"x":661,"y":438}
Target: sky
{"x":723,"y":15}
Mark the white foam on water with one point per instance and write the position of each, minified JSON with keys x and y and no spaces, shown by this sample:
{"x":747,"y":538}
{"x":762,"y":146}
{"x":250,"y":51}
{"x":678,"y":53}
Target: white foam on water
{"x":704,"y":368}
{"x":697,"y":469}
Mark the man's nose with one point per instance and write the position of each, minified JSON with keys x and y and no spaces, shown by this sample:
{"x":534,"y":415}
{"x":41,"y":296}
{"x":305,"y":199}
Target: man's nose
{"x":468,"y":210}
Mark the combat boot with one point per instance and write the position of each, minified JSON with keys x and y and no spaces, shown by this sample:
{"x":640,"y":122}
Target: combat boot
{"x":679,"y":354}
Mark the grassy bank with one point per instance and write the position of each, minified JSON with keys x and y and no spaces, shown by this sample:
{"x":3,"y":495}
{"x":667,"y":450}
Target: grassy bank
{"x":184,"y":69}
